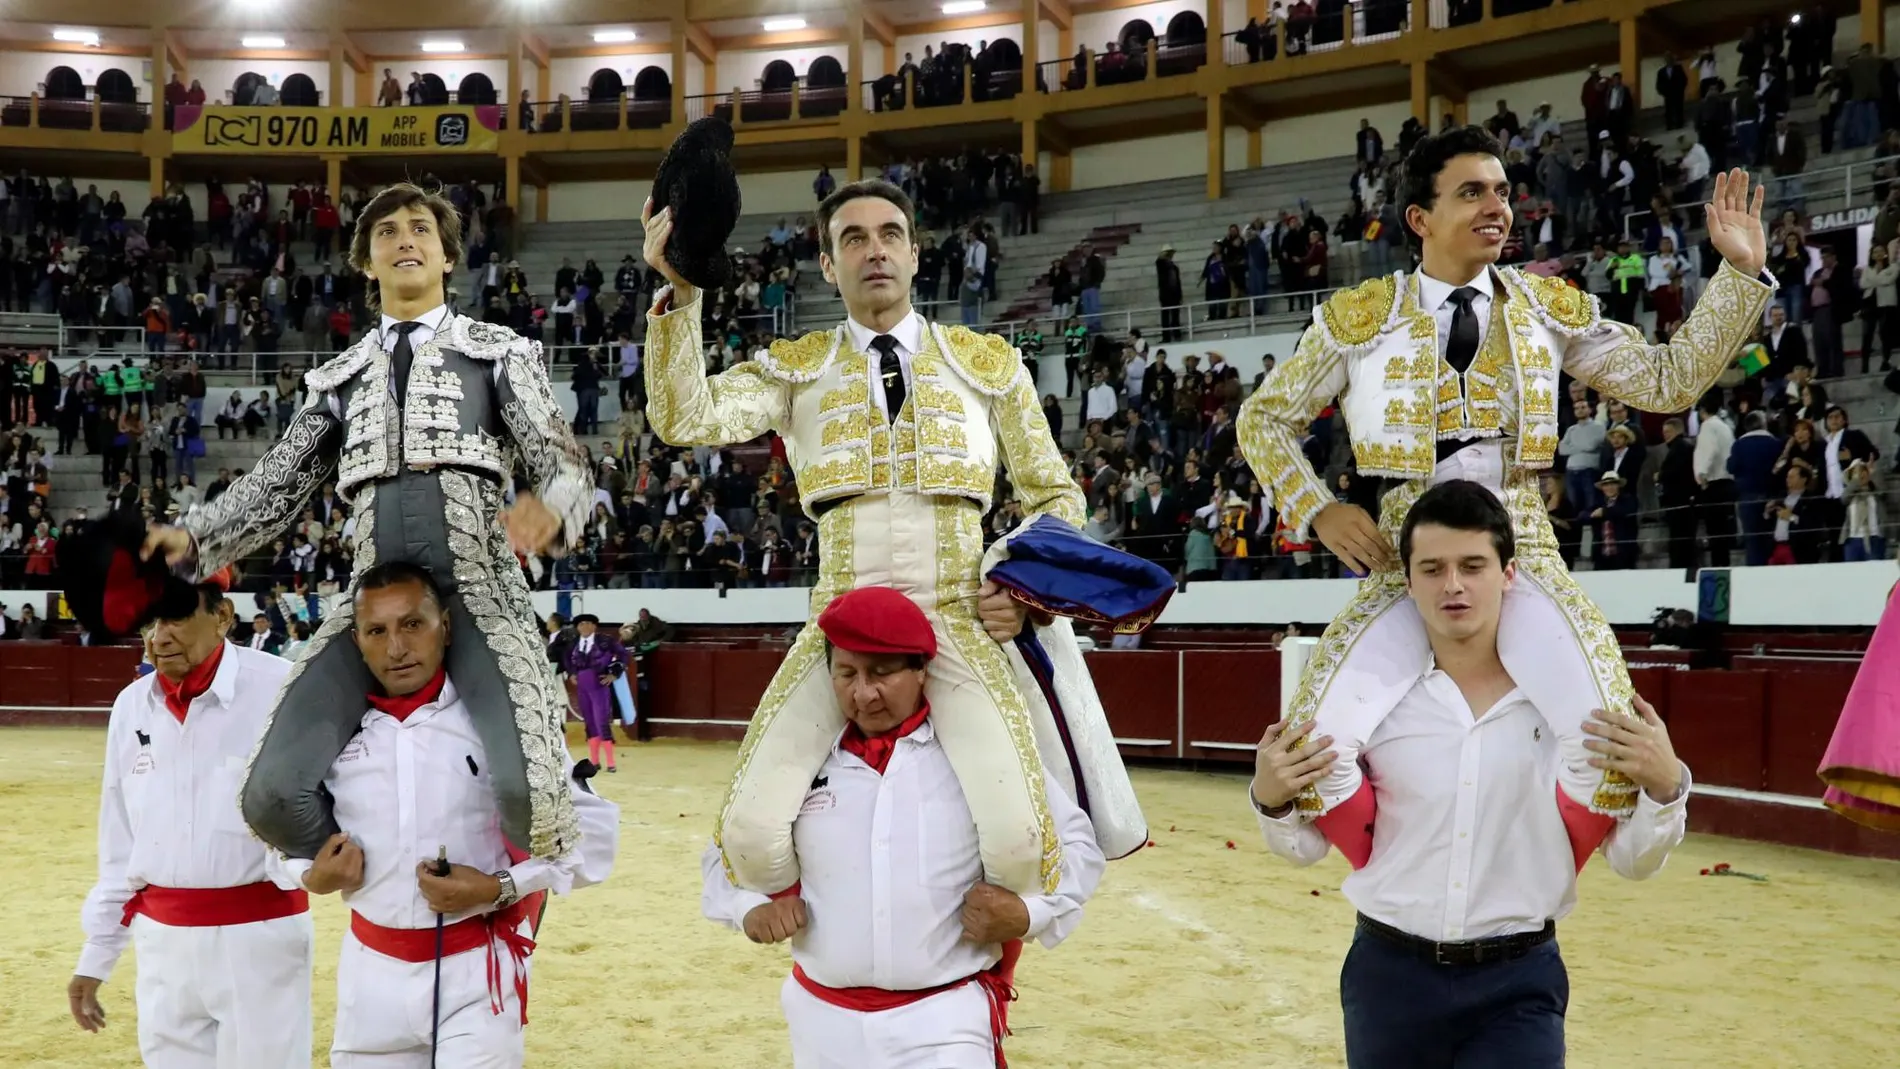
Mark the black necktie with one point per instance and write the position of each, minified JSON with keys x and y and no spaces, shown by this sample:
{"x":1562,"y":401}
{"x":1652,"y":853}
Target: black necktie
{"x":401,"y":357}
{"x":1462,"y":346}
{"x":891,"y":370}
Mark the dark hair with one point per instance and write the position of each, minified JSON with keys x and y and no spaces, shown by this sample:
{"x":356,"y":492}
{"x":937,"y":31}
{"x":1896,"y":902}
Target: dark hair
{"x":1461,"y":505}
{"x":389,"y":201}
{"x":397,"y":573}
{"x":914,"y":661}
{"x":870,"y":187}
{"x":1429,"y":157}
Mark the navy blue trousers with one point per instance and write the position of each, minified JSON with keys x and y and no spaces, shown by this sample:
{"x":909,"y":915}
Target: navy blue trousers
{"x":1403,"y":1012}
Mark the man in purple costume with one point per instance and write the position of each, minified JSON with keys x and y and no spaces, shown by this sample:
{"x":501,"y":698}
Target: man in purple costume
{"x":594,"y":660}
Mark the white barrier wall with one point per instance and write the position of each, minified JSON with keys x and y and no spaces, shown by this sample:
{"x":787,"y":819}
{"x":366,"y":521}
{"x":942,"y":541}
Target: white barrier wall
{"x":1817,"y":595}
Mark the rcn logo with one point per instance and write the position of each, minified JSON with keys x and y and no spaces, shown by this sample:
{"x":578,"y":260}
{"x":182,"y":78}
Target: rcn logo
{"x":451,"y":130}
{"x":243,"y":130}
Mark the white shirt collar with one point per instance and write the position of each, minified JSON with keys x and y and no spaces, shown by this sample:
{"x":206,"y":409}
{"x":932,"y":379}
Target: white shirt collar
{"x":909,"y":333}
{"x":1432,"y":293}
{"x":431,"y":320}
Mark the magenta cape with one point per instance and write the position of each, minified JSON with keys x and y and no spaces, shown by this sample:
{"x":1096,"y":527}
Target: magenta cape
{"x":1862,"y":763}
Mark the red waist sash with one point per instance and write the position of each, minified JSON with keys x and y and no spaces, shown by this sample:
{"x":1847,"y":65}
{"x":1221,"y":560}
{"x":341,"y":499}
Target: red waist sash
{"x":417,"y":945}
{"x":997,"y":981}
{"x":212,"y":907}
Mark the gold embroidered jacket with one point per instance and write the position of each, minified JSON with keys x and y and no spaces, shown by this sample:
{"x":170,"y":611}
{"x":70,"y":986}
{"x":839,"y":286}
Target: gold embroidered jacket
{"x":1375,"y":349}
{"x":971,"y":406}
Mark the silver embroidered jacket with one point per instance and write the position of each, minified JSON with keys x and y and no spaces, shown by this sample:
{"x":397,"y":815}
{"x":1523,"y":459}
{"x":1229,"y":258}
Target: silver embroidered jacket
{"x":478,"y":397}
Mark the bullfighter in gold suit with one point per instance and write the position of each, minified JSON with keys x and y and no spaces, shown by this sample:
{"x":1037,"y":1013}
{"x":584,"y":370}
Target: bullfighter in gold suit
{"x":894,"y":427}
{"x":1452,"y":372}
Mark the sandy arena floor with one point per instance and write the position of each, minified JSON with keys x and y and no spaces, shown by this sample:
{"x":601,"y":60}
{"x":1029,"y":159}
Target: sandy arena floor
{"x":1193,"y":955}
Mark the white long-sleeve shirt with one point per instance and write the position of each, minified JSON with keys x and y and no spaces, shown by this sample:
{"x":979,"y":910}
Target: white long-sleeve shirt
{"x":1468,"y":842}
{"x":406,"y":788}
{"x":168,"y":808}
{"x":1713,"y":441}
{"x":884,"y":862}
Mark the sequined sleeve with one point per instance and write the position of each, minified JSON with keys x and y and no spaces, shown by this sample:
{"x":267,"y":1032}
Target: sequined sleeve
{"x":1035,"y":466}
{"x":261,"y":505}
{"x":1275,"y":418}
{"x":543,"y":440}
{"x":686,"y":407}
{"x":1614,"y":359}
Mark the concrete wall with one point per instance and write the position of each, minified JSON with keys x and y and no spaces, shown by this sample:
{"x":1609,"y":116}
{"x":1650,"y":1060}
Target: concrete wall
{"x":22,"y":72}
{"x":1097,"y":28}
{"x":570,"y":75}
{"x":914,"y":43}
{"x":743,"y":69}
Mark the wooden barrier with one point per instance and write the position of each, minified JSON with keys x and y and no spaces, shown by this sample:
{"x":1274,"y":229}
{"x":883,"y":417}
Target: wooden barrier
{"x":1760,"y":728}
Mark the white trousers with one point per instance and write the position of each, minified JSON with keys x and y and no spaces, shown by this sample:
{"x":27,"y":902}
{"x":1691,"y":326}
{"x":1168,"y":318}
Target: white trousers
{"x":950,"y":1030}
{"x":229,"y":997}
{"x":383,"y":1012}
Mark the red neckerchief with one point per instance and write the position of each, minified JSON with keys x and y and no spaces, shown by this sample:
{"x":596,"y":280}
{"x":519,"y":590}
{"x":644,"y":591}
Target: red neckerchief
{"x":875,"y":750}
{"x":180,"y":695}
{"x":401,"y":707}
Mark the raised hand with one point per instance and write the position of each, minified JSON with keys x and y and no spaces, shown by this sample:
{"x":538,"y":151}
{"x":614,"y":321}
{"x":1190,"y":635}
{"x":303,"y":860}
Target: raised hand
{"x":1735,"y":222}
{"x":659,"y":228}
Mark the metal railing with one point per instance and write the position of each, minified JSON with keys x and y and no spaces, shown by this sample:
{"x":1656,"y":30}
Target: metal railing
{"x":37,"y":112}
{"x":1834,"y":186}
{"x":623,"y":111}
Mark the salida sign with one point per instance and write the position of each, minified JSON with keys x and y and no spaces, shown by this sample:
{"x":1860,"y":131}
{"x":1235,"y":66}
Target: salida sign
{"x":1844,"y":220}
{"x":342,"y":131}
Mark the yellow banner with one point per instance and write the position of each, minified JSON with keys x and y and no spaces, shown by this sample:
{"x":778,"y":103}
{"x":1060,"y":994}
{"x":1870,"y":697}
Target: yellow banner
{"x":338,"y":131}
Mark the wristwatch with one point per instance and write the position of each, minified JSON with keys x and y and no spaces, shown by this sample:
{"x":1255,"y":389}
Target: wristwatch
{"x":508,"y":894}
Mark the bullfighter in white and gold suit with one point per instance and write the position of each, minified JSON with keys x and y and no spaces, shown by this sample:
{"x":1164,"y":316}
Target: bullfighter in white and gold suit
{"x":1420,"y":411}
{"x":894,"y":427}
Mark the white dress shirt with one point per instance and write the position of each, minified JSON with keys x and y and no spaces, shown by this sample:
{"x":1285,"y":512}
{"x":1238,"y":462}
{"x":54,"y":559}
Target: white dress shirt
{"x":1712,"y":445}
{"x":1101,"y":402}
{"x":1836,"y":483}
{"x":406,"y":788}
{"x":884,"y":862}
{"x":168,"y":809}
{"x":432,"y":321}
{"x":1468,"y":842}
{"x":909,"y":333}
{"x":1435,"y":297}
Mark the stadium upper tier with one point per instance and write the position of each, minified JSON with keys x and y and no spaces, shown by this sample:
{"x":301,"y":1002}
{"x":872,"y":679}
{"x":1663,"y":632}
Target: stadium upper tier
{"x":595,"y":97}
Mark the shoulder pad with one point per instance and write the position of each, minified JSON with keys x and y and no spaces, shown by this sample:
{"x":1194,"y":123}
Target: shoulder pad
{"x":986,"y":361}
{"x":1563,"y":307}
{"x":1354,"y":318}
{"x":480,"y":341}
{"x":337,"y":370}
{"x":801,"y":359}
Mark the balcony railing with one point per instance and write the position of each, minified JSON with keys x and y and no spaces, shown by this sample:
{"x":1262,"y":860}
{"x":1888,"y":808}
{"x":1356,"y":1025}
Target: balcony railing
{"x":622,"y":112}
{"x":35,"y":112}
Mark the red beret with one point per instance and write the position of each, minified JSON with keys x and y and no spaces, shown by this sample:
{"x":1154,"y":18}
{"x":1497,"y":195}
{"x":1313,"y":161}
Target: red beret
{"x":877,"y":619}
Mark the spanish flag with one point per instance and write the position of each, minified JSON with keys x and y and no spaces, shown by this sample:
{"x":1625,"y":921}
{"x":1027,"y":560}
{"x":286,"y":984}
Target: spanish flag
{"x":1754,"y":358}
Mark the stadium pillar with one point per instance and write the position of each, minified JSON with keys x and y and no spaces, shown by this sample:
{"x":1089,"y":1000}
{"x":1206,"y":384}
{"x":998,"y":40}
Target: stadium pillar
{"x":1216,"y":146}
{"x":1873,"y":25}
{"x":1253,"y":149}
{"x":854,"y":63}
{"x":1061,"y":172}
{"x":1630,"y":58}
{"x":157,"y":165}
{"x":1216,"y":33}
{"x":161,"y":59}
{"x":1032,"y":151}
{"x":1257,"y":10}
{"x":333,"y":177}
{"x":335,"y":96}
{"x":1421,"y":93}
{"x":853,"y":157}
{"x":1032,"y":22}
{"x":511,"y":192}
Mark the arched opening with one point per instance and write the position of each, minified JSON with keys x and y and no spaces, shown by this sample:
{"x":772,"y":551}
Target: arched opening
{"x":652,"y":84}
{"x":605,"y":84}
{"x":435,"y":92}
{"x":1005,"y":55}
{"x":115,"y":87}
{"x":1134,"y":34}
{"x":475,"y":88}
{"x":64,"y":83}
{"x":777,"y":77}
{"x":824,"y":90}
{"x":1186,"y":28}
{"x":652,"y":103}
{"x":298,"y":91}
{"x":245,"y":85}
{"x":825,"y":72}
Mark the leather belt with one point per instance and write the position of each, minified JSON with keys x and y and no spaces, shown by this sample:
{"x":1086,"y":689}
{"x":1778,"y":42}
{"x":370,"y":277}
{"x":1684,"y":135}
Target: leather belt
{"x":1470,"y":952}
